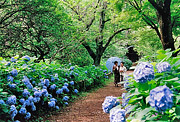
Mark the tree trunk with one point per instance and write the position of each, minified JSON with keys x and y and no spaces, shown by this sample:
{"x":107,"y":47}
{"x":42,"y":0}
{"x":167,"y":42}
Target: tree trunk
{"x":164,"y":20}
{"x":97,"y":60}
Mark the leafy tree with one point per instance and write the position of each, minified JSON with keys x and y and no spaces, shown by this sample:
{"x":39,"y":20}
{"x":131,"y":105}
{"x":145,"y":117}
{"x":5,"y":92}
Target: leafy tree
{"x":96,"y":27}
{"x":160,"y":15}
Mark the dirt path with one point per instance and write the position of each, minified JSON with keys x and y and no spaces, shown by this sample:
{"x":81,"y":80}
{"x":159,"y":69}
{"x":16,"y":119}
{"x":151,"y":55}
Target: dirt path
{"x":89,"y":108}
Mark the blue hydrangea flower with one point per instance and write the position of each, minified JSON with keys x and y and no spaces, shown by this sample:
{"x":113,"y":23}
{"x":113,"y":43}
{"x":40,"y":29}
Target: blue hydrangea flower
{"x":14,"y":72}
{"x":8,"y":64}
{"x":52,"y":79}
{"x":25,"y":93}
{"x":26,"y":58}
{"x":65,"y":98}
{"x":27,"y":82}
{"x":72,"y":68}
{"x":71,"y":73}
{"x":57,"y":107}
{"x":104,"y":71}
{"x":163,"y":67}
{"x":86,"y":72}
{"x":33,"y":82}
{"x":44,"y":91}
{"x":23,"y":110}
{"x":33,"y":108}
{"x":59,"y":91}
{"x":12,"y":86}
{"x":125,"y":100}
{"x":66,"y":84}
{"x":72,"y":83}
{"x":76,"y":74}
{"x":66,"y":103}
{"x":69,"y":63}
{"x":46,"y":82}
{"x":51,"y":104}
{"x":100,"y":69}
{"x":28,"y":115}
{"x":11,"y":100}
{"x":66,"y":74}
{"x":16,"y":121}
{"x":117,"y":115}
{"x":107,"y":77}
{"x":2,"y":102}
{"x":13,"y":59}
{"x":161,"y":98}
{"x":144,"y":72}
{"x":10,"y":78}
{"x":30,"y":98}
{"x":53,"y":99}
{"x":76,"y":91}
{"x":50,"y":95}
{"x":53,"y":87}
{"x":109,"y":103}
{"x":22,"y":100}
{"x":13,"y":111}
{"x":35,"y":89}
{"x":65,"y":89}
{"x":56,"y":75}
{"x":37,"y":93}
{"x":27,"y":103}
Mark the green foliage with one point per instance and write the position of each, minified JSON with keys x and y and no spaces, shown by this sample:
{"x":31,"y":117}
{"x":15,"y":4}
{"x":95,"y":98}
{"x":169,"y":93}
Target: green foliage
{"x":85,"y":78}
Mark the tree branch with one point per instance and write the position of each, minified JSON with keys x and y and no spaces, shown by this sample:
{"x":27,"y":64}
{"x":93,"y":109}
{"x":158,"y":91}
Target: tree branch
{"x":156,"y":6}
{"x":111,"y":37}
{"x":90,"y":51}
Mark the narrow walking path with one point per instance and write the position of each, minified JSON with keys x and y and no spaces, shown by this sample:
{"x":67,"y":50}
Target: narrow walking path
{"x":89,"y":108}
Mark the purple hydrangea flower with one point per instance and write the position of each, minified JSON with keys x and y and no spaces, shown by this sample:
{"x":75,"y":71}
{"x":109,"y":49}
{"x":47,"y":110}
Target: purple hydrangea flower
{"x":65,"y":98}
{"x":163,"y":67}
{"x":59,"y":91}
{"x":144,"y":72}
{"x":117,"y":115}
{"x":11,"y":100}
{"x":14,"y":72}
{"x":161,"y":98}
{"x":109,"y":103}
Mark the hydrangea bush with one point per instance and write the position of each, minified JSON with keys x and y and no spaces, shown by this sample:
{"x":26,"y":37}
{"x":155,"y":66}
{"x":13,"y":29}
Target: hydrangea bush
{"x":153,"y":92}
{"x":27,"y":87}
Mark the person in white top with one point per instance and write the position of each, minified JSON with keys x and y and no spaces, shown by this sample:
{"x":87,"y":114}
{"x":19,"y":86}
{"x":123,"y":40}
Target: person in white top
{"x":122,"y":71}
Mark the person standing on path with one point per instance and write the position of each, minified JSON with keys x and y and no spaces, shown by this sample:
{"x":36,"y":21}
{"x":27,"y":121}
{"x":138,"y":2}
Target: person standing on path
{"x":116,"y":73}
{"x":122,"y":71}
